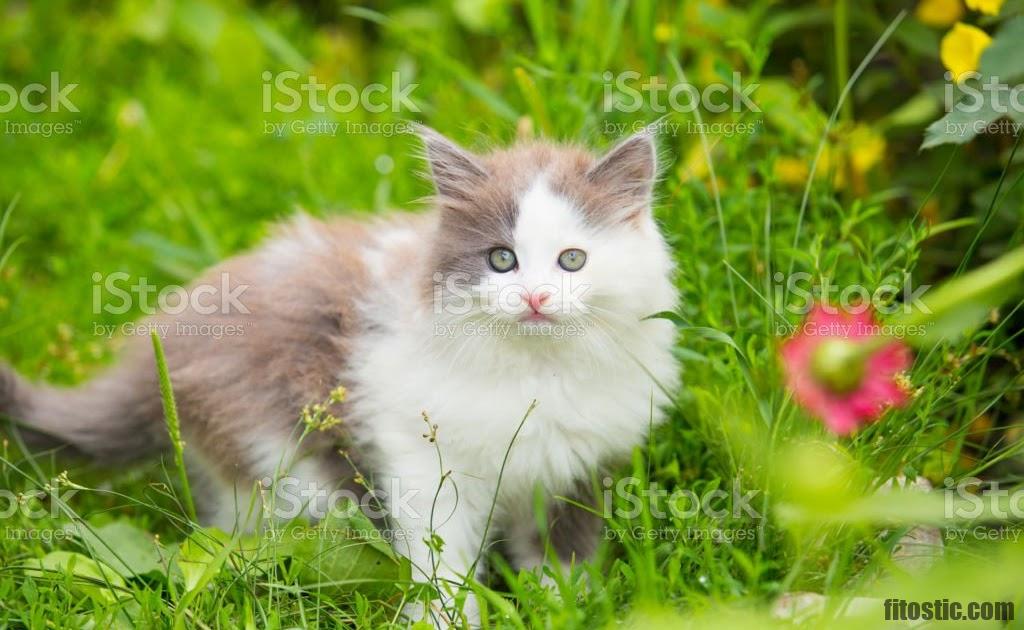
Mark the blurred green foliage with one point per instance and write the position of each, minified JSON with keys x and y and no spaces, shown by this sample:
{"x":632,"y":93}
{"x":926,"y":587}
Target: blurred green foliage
{"x":170,"y":166}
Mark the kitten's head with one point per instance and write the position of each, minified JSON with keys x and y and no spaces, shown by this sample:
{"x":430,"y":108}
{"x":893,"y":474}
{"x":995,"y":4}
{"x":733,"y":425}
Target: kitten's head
{"x":544,"y":237}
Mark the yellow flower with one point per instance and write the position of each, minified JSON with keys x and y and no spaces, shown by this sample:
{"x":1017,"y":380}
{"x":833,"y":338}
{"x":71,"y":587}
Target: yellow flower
{"x":939,"y":13}
{"x":867,"y":147}
{"x":664,"y":32}
{"x":961,"y":49}
{"x":791,"y":171}
{"x":988,"y":7}
{"x":794,"y":171}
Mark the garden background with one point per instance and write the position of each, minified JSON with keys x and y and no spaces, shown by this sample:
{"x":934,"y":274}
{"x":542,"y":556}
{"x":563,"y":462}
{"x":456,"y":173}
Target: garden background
{"x":845,"y":172}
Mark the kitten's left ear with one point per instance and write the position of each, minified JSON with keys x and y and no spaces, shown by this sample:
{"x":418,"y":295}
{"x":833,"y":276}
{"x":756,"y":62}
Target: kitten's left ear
{"x":456,"y":172}
{"x":630,"y":168}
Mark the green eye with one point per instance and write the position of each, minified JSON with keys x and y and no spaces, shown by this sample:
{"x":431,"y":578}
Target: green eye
{"x":572,"y":259}
{"x":501,"y":259}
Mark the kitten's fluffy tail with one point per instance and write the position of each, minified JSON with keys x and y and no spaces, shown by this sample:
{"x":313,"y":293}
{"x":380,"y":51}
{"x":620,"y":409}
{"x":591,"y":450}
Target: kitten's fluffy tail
{"x":113,"y":418}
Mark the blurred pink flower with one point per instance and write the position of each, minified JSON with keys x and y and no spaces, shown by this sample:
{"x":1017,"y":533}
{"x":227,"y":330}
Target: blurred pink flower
{"x":842,"y":369}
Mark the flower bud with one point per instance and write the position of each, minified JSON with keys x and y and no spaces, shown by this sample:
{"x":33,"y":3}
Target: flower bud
{"x":838,"y":365}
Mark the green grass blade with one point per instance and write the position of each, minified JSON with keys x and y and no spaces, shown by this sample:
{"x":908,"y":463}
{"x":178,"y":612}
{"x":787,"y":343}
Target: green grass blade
{"x":173,"y":426}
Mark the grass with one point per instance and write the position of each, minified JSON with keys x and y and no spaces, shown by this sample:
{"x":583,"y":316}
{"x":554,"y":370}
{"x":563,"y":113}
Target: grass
{"x":169,"y":169}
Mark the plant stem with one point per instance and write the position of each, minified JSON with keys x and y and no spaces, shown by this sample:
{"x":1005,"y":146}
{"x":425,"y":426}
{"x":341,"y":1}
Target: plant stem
{"x":173,"y":426}
{"x":841,"y":36}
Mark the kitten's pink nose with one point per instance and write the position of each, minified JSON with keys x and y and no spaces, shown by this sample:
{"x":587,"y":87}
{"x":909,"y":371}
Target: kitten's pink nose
{"x":537,"y":299}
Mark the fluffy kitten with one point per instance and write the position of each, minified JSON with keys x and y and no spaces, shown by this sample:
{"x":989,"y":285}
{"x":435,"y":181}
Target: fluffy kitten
{"x":528,"y":280}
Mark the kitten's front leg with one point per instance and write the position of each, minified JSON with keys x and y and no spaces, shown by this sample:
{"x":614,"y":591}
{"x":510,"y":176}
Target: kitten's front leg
{"x":572,"y":536}
{"x":438,"y":523}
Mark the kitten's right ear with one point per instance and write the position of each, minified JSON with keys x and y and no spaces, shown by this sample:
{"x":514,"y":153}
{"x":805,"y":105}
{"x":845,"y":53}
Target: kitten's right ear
{"x":456,"y":172}
{"x":630,"y":167}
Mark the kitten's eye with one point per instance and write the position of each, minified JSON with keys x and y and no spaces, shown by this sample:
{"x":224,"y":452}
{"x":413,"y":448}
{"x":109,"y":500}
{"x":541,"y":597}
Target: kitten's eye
{"x":502,"y":259}
{"x":572,"y":259}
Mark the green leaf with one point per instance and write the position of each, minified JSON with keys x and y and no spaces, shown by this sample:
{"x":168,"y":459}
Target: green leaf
{"x":922,"y":40}
{"x":711,"y":334}
{"x":200,"y":558}
{"x":963,"y":302}
{"x":202,"y":555}
{"x":961,"y":124}
{"x":919,"y":109}
{"x":486,"y":16}
{"x":121,"y":546}
{"x":346,"y":551}
{"x":199,"y":23}
{"x":904,"y":507}
{"x":87,"y":576}
{"x":1002,"y":58}
{"x":790,"y":112}
{"x":1001,"y":64}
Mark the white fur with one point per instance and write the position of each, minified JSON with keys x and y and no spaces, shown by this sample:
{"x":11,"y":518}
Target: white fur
{"x":290,"y":486}
{"x":594,"y":392}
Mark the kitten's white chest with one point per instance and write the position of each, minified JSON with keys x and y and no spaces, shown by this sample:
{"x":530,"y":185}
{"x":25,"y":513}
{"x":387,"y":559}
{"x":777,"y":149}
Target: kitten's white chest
{"x":583,"y":412}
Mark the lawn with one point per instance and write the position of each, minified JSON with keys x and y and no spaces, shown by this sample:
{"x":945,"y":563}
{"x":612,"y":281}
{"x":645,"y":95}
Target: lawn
{"x":178,"y":146}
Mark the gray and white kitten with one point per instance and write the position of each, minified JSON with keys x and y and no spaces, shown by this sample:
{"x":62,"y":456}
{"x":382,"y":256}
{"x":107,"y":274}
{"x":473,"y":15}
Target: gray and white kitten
{"x":528,"y":280}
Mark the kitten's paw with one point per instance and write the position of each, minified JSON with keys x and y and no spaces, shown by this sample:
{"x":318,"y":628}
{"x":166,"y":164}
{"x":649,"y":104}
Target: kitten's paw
{"x":548,"y":581}
{"x":443,"y":613}
{"x":580,"y":584}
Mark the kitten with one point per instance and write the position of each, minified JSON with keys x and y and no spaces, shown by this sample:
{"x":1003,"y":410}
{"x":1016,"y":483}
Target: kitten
{"x":521,"y":293}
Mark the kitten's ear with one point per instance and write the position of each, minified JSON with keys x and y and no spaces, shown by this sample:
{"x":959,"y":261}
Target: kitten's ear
{"x":630,"y":168}
{"x":456,"y":172}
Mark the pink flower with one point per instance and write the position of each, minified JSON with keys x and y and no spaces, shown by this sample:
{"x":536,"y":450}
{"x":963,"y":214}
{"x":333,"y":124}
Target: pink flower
{"x":843,"y":370}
